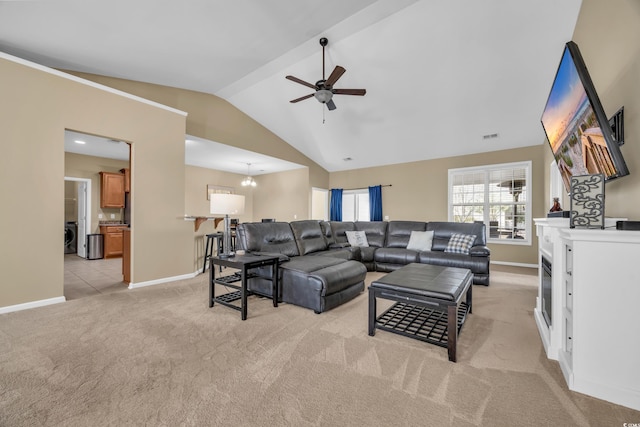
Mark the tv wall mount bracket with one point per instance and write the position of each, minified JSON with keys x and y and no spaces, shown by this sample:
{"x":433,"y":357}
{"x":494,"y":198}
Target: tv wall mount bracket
{"x":617,"y":125}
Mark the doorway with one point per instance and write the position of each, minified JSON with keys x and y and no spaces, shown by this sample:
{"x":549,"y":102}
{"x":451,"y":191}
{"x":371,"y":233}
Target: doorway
{"x":320,"y":203}
{"x":87,"y":159}
{"x":77,"y":205}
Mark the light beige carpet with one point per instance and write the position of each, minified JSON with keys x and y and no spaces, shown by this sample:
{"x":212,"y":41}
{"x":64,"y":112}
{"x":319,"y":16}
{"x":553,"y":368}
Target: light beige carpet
{"x":159,"y":356}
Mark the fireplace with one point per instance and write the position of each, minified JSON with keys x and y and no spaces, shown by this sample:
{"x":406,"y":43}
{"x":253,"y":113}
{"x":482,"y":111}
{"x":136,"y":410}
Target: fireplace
{"x":546,"y":289}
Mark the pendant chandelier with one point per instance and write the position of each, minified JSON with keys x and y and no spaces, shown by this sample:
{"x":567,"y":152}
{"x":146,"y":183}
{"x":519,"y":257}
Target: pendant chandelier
{"x":248,"y":181}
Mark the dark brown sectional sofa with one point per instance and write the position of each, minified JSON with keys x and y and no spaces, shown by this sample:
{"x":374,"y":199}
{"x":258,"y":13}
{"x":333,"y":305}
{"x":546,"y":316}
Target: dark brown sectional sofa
{"x":320,"y":270}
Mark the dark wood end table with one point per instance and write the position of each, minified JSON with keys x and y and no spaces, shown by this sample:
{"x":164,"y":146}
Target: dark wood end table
{"x":244,"y":264}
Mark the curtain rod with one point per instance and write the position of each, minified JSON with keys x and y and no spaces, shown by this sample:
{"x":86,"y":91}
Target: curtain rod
{"x":365,"y":188}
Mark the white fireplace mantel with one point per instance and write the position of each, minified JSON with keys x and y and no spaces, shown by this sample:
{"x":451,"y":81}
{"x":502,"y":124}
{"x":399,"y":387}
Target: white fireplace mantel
{"x":595,"y":320}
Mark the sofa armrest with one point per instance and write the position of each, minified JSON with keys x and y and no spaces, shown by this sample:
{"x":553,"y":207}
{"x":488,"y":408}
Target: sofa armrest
{"x":479,"y":251}
{"x":281,"y":257}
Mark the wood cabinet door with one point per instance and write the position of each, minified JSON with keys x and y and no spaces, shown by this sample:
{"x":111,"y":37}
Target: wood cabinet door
{"x":113,"y":241}
{"x":111,"y":190}
{"x":127,"y":179}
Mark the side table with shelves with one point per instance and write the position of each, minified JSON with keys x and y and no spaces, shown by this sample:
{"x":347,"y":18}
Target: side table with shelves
{"x":238,"y":280}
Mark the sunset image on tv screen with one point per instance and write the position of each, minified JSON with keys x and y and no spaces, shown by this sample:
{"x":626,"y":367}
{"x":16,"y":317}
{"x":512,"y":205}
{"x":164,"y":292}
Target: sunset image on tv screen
{"x":572,"y":128}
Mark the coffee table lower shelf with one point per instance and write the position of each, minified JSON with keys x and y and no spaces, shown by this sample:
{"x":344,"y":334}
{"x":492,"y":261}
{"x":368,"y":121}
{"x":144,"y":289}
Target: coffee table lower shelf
{"x":419,"y":322}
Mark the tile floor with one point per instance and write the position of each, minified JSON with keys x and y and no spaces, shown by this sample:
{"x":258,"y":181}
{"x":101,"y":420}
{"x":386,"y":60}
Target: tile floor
{"x":84,"y":277}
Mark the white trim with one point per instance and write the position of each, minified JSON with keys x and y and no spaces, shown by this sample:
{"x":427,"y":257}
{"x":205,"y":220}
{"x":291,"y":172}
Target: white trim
{"x":527,"y":165}
{"x":32,"y":304}
{"x":160,"y":281}
{"x":88,"y":208}
{"x":514,"y":264}
{"x":88,"y":82}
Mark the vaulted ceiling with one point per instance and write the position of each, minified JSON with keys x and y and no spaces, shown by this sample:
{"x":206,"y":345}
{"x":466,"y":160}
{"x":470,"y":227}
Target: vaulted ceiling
{"x":440,"y":75}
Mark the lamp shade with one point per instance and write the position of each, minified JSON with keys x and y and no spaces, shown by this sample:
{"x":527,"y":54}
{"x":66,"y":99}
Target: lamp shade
{"x":226,"y":204}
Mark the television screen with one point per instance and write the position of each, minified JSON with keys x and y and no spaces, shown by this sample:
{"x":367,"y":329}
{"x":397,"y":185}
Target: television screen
{"x":576,"y":126}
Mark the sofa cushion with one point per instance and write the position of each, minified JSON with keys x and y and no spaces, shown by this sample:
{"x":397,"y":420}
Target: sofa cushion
{"x":376,"y":232}
{"x":325,"y":226}
{"x":309,"y":236}
{"x":421,"y":241}
{"x":395,"y":256}
{"x":444,"y":230}
{"x":357,"y":238}
{"x":399,"y":232}
{"x":339,"y":229}
{"x":267,"y":237}
{"x":478,"y":265}
{"x":460,"y":243}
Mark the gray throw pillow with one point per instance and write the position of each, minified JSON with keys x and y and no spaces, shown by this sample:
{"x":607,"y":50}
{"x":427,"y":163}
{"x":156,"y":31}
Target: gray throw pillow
{"x":357,"y":238}
{"x":420,"y":241}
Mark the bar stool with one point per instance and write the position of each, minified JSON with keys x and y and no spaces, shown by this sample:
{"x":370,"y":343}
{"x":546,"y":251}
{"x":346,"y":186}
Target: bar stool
{"x":208,"y":247}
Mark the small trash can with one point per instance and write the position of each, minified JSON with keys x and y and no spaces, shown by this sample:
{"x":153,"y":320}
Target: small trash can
{"x":95,"y":248}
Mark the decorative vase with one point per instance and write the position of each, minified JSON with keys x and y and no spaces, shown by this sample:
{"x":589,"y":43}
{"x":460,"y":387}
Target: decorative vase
{"x":556,"y":205}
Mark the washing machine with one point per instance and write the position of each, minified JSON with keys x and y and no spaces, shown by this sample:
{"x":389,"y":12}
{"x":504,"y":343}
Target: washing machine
{"x":70,"y":237}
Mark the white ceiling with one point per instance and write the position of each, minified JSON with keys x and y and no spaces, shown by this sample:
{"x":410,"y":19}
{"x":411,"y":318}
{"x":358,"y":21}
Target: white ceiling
{"x":439,"y":74}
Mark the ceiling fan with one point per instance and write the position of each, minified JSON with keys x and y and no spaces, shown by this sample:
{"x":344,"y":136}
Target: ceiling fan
{"x":324,"y":89}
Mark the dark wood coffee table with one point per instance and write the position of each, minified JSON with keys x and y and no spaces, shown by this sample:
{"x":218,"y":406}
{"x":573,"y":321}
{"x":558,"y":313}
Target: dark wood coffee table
{"x":431,"y":304}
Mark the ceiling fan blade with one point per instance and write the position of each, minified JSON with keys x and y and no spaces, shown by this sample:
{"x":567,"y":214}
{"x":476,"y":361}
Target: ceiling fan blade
{"x":335,"y":75}
{"x":302,"y":82}
{"x":359,"y":92}
{"x":330,"y":105}
{"x":302,"y":98}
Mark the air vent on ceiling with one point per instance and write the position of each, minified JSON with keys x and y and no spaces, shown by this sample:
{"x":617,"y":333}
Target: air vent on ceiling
{"x":490,"y":136}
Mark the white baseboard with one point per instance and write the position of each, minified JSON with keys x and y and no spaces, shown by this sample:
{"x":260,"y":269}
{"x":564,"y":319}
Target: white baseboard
{"x":515,"y":264}
{"x":32,"y":304}
{"x":163,"y":280}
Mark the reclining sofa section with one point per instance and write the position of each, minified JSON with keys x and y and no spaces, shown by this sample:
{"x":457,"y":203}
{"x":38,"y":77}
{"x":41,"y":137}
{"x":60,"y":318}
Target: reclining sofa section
{"x":320,"y":270}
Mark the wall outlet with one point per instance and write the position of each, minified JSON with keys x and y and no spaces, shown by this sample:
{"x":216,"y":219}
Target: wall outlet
{"x":295,"y":216}
{"x":113,"y":216}
{"x":99,"y":216}
{"x":386,"y":217}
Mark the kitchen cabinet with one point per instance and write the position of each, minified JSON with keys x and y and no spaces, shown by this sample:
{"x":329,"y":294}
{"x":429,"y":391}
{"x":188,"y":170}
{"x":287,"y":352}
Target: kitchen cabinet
{"x":113,"y":240}
{"x":111,"y":190}
{"x":127,"y":179}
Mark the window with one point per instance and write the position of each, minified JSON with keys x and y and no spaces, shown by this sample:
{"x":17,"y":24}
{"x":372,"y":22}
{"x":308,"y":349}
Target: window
{"x":497,"y":195}
{"x":355,"y":205}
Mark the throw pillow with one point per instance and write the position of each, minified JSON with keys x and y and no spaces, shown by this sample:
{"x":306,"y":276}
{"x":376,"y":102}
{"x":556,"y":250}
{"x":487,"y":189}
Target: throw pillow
{"x":420,"y":241}
{"x":357,"y":238}
{"x":460,"y":243}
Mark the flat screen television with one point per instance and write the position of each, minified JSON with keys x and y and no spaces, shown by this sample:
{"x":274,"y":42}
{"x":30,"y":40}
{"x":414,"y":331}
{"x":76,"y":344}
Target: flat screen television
{"x":576,"y":126}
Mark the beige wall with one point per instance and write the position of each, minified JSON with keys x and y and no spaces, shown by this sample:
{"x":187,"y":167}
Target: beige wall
{"x":285,"y":196}
{"x":89,"y":167}
{"x":608,"y":35}
{"x":419,"y":191}
{"x":35,"y":108}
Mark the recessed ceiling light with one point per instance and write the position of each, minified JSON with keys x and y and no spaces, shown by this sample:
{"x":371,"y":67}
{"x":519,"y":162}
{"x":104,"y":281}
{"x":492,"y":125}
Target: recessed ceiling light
{"x":79,"y":141}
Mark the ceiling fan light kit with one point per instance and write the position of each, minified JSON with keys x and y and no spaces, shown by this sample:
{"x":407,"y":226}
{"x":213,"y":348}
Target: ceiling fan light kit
{"x":324,"y":90}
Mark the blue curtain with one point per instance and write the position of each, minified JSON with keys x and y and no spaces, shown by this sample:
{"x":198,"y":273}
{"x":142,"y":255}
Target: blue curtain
{"x":375,"y":203}
{"x":335,"y":208}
